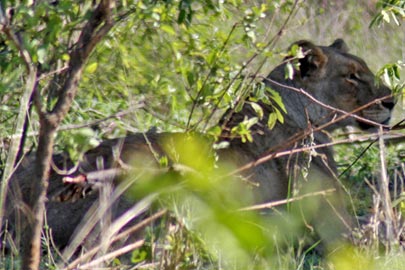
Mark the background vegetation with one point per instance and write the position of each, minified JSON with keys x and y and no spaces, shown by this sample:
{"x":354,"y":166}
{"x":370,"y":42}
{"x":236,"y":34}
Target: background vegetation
{"x":176,"y":66}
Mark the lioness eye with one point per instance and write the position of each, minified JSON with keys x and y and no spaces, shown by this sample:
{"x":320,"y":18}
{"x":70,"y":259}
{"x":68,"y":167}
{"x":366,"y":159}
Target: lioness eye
{"x":353,"y":76}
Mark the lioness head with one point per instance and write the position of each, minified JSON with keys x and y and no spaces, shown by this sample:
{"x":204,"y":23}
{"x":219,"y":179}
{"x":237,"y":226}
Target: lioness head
{"x":341,"y":80}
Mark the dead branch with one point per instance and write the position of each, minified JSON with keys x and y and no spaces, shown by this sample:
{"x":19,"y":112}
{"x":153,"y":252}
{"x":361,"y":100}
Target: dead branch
{"x":116,"y":253}
{"x":94,"y":177}
{"x":286,"y":201}
{"x":120,"y":236}
{"x":93,"y":215}
{"x":386,"y":203}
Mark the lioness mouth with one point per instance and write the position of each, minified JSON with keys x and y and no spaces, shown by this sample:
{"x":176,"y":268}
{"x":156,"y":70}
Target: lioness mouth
{"x":367,"y":127}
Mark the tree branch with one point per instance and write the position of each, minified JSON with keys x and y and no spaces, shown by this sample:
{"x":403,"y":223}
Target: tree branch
{"x":93,"y":31}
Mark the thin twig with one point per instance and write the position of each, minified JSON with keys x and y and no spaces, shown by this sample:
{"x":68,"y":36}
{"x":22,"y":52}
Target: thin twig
{"x":357,"y":158}
{"x":286,"y":201}
{"x":107,"y":175}
{"x":43,"y":76}
{"x":112,"y":255}
{"x":140,"y":105}
{"x":280,"y":32}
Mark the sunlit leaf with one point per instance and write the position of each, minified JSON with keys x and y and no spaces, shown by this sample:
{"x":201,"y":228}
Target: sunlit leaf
{"x":271,"y":122}
{"x":289,"y":71}
{"x":168,"y":29}
{"x":65,"y":57}
{"x":257,"y":108}
{"x":275,"y":96}
{"x":41,"y":55}
{"x":91,"y":68}
{"x":385,"y":16}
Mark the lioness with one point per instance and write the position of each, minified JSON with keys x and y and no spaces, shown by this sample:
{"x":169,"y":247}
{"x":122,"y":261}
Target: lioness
{"x":328,"y":83}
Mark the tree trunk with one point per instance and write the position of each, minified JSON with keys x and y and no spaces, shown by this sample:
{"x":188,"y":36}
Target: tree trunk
{"x":31,"y":247}
{"x":92,"y":33}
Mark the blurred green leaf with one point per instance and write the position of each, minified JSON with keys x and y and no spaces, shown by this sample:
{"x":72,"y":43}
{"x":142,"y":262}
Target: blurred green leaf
{"x":272,"y":121}
{"x":41,"y":55}
{"x":91,"y":68}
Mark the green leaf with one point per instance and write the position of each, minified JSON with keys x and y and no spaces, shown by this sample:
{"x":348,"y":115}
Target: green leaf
{"x":385,"y":16}
{"x":296,"y":51}
{"x":394,"y":17}
{"x":215,"y":131}
{"x":65,"y":57}
{"x":168,"y":29}
{"x":258,"y":109}
{"x":91,"y":68}
{"x":280,"y":116}
{"x":252,"y":35}
{"x":289,"y":71}
{"x":386,"y":78}
{"x":396,"y":69}
{"x":138,"y":256}
{"x":271,"y":122}
{"x":251,"y":121}
{"x":41,"y":53}
{"x":275,"y":96}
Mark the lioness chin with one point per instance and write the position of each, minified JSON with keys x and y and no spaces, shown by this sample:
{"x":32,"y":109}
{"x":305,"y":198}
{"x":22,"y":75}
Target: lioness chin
{"x":328,"y":83}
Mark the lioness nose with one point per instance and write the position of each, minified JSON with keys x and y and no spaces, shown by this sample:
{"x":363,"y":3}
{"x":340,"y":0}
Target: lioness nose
{"x":389,"y":104}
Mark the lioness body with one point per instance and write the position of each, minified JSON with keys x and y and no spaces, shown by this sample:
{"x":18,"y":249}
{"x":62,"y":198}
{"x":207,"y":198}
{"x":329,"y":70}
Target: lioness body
{"x":329,"y":74}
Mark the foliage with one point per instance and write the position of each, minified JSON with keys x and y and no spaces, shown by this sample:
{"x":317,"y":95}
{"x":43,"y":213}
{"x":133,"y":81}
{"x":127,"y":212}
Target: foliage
{"x":184,"y":73}
{"x":390,"y":73}
{"x":392,"y":9}
{"x":391,"y":77}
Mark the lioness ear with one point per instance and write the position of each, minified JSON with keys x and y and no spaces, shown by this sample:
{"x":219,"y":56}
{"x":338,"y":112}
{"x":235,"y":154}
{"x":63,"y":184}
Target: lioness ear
{"x":340,"y":45}
{"x":313,"y":61}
